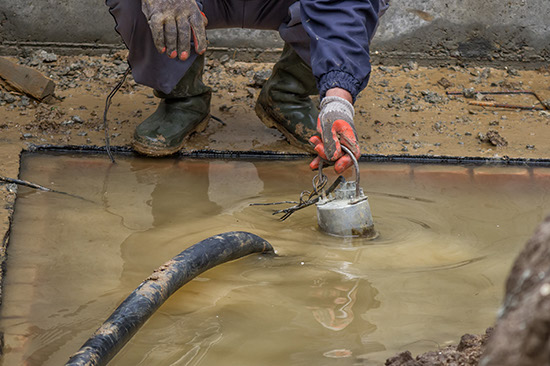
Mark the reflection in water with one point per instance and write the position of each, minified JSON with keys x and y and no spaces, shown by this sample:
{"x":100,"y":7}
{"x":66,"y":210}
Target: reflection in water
{"x":334,"y":306}
{"x":232,"y":191}
{"x":435,"y":272}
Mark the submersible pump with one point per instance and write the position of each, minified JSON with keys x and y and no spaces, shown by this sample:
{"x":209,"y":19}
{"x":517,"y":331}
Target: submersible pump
{"x":346,"y":210}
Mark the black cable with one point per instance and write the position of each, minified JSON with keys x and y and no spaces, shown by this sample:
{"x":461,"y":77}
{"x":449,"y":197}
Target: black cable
{"x":107,"y":105}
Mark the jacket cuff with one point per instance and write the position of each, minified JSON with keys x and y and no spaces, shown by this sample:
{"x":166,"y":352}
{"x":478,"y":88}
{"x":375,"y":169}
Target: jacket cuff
{"x":339,"y":79}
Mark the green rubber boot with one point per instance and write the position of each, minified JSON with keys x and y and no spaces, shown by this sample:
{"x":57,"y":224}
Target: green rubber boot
{"x":184,"y":111}
{"x":284,"y":101}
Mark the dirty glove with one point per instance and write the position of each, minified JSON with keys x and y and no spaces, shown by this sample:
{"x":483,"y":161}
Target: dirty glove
{"x":171,"y":22}
{"x":335,"y":124}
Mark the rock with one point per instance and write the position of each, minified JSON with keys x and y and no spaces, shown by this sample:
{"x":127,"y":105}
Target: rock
{"x":445,"y":83}
{"x":410,"y":66}
{"x":455,"y":54}
{"x":46,"y":57}
{"x":402,"y":359}
{"x":259,"y":78}
{"x":77,"y":119}
{"x":469,"y":92}
{"x":493,"y":137}
{"x":512,"y":71}
{"x":522,"y":332}
{"x":224,"y":59}
{"x":496,"y":139}
{"x":24,"y":101}
{"x":251,"y":92}
{"x":8,"y":97}
{"x":432,"y":97}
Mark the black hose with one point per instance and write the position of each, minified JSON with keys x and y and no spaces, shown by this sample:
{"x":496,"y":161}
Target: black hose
{"x":125,"y":321}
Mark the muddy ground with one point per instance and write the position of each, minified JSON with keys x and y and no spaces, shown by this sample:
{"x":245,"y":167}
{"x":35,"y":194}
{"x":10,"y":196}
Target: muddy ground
{"x":404,"y":111}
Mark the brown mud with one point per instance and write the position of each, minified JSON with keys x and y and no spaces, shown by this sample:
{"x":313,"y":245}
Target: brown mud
{"x":404,"y":111}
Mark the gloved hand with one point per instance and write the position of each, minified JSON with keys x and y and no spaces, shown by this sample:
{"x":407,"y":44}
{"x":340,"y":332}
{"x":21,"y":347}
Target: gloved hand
{"x":171,"y":22}
{"x":335,"y":124}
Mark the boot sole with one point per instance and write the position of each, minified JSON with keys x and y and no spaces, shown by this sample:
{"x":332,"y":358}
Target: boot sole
{"x":155,"y":151}
{"x":267,"y":120}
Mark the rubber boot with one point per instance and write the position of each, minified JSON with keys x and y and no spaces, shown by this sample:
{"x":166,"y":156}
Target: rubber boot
{"x":284,"y":101}
{"x":184,"y":111}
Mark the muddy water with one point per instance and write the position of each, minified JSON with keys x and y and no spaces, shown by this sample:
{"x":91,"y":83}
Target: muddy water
{"x":447,"y":240}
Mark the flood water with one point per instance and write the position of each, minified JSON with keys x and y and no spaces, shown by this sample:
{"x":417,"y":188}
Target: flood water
{"x":436,"y":271}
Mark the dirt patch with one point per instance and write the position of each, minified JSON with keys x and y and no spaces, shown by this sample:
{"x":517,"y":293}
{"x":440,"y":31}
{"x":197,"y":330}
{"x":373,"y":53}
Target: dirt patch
{"x":405,"y":110}
{"x":467,"y":353}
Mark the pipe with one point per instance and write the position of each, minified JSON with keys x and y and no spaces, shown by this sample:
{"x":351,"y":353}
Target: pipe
{"x":126,"y":320}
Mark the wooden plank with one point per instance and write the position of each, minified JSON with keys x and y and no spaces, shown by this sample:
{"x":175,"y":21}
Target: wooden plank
{"x":26,"y":80}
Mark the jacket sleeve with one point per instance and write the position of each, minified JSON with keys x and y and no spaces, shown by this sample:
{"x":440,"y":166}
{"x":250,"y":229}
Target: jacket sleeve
{"x":340,"y":32}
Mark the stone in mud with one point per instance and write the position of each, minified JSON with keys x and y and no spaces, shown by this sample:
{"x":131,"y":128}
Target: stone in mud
{"x":402,"y":359}
{"x":445,"y":83}
{"x":466,"y":353}
{"x":493,"y":137}
{"x":259,"y":78}
{"x":469,"y":92}
{"x":522,"y":332}
{"x":46,"y":57}
{"x":432,"y":97}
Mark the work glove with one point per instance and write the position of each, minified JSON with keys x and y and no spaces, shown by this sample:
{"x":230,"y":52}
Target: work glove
{"x":172,"y":22}
{"x":335,"y":124}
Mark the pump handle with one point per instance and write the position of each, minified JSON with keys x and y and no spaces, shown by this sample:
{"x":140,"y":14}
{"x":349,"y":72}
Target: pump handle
{"x":356,"y":167}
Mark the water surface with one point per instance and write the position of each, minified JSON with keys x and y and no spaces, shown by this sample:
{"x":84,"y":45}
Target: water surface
{"x":437,"y":270}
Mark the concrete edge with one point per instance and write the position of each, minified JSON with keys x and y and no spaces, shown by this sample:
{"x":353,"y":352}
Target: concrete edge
{"x":243,"y":54}
{"x":276,"y":155}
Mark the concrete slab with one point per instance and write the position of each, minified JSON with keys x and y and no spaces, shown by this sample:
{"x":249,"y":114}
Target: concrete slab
{"x":419,"y":29}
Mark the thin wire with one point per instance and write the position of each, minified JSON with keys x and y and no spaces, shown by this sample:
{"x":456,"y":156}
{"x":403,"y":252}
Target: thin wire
{"x":107,"y":105}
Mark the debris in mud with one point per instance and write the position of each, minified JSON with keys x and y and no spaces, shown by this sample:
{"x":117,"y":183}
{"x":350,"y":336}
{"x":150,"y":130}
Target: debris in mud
{"x":259,"y":78}
{"x":432,"y":97}
{"x":47,"y":118}
{"x":445,"y":83}
{"x":492,"y":137}
{"x":26,"y":80}
{"x":466,"y":353}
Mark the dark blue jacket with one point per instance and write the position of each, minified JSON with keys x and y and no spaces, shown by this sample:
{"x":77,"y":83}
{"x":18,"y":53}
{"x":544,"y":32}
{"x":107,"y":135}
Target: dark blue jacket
{"x":340,"y":33}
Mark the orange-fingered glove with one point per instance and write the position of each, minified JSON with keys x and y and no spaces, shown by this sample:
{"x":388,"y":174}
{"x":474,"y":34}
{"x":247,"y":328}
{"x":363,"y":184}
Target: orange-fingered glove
{"x":335,"y":124}
{"x":172,"y":22}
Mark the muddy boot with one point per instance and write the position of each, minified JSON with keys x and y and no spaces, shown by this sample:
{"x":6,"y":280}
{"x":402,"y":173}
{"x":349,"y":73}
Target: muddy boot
{"x":184,"y":111}
{"x":284,"y":101}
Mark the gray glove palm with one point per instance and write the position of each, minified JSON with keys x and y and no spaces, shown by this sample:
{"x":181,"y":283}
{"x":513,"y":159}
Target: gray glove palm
{"x":172,"y":22}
